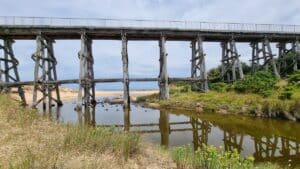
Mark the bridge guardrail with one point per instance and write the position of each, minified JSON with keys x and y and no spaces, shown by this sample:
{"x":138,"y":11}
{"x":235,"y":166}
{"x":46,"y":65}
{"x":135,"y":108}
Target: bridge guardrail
{"x":181,"y":25}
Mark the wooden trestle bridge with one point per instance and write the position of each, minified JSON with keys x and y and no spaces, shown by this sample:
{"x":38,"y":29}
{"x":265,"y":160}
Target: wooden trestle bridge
{"x":46,"y":30}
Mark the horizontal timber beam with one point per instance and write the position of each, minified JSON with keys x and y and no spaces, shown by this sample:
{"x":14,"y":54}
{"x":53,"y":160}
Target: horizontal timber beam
{"x":112,"y":80}
{"x":73,"y":33}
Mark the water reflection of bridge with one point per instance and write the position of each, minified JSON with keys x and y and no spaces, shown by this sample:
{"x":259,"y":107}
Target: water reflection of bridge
{"x":265,"y":147}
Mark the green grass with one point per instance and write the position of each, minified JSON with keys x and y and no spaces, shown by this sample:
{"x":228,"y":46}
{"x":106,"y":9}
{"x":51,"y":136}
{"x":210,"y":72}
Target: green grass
{"x":35,"y":141}
{"x":212,"y":158}
{"x":101,"y":139}
{"x":227,"y":102}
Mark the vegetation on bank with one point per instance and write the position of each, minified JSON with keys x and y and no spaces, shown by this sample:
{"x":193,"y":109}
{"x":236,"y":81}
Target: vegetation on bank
{"x":260,"y":94}
{"x":212,"y":158}
{"x":29,"y":140}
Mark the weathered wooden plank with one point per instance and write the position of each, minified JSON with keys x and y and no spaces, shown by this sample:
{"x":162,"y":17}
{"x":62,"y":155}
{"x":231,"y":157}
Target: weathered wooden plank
{"x":76,"y":81}
{"x":11,"y":67}
{"x":29,"y":32}
{"x":231,"y":65}
{"x":163,"y":72}
{"x":126,"y":96}
{"x":86,"y":93}
{"x":37,"y":57}
{"x":202,"y":64}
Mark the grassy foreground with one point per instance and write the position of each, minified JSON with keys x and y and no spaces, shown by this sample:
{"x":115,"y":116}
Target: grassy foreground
{"x":28,"y":140}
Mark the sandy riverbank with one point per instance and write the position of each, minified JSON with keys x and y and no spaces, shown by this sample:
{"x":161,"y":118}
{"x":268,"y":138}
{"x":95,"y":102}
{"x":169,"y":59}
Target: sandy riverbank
{"x":70,"y":94}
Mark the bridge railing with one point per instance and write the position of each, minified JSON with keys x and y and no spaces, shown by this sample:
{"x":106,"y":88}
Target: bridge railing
{"x":155,"y":24}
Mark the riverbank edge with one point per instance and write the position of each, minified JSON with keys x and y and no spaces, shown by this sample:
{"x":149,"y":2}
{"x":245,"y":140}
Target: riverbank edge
{"x":246,"y":104}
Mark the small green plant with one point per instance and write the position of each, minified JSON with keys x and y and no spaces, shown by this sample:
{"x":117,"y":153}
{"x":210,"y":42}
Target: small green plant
{"x":219,"y":87}
{"x":287,"y":93}
{"x":294,"y":78}
{"x":210,"y":158}
{"x":185,"y":89}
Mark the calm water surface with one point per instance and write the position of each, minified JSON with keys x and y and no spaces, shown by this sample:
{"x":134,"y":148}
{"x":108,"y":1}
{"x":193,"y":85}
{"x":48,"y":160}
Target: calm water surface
{"x":265,"y":139}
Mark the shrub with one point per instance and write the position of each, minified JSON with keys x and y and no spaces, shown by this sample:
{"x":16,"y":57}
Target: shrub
{"x":180,"y":88}
{"x":219,"y":87}
{"x":287,"y":93}
{"x":210,"y":157}
{"x":260,"y":82}
{"x":294,"y":78}
{"x":214,"y":74}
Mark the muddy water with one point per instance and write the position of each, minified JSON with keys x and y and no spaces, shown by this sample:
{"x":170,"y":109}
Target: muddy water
{"x":267,"y":140}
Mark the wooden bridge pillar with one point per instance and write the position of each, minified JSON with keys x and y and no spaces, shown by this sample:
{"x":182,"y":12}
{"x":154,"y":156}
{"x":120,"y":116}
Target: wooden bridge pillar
{"x":10,"y":69}
{"x":288,"y":64}
{"x":198,"y":67}
{"x":86,"y":93}
{"x":282,"y":51}
{"x":263,"y":52}
{"x":44,"y":71}
{"x":163,"y":73}
{"x":269,"y":57}
{"x":296,"y":50}
{"x":126,"y":96}
{"x":231,"y":64}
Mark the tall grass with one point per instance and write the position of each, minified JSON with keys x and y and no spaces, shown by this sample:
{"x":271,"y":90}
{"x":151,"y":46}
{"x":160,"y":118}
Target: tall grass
{"x":26,"y":163}
{"x":37,"y":142}
{"x":15,"y":113}
{"x":101,"y":139}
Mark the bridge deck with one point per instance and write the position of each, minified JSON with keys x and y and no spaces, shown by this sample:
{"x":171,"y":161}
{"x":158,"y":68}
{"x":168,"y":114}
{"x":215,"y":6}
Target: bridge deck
{"x":63,"y":32}
{"x":70,"y":28}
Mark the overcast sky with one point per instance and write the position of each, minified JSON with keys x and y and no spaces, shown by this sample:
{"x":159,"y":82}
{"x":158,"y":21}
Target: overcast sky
{"x":143,"y":56}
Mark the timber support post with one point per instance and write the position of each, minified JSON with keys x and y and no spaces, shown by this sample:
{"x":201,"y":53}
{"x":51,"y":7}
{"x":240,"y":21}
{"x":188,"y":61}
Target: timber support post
{"x":282,"y":63}
{"x":231,"y":65}
{"x":263,"y":52}
{"x":198,"y":67}
{"x":45,"y":70}
{"x":296,"y":50}
{"x":86,"y":93}
{"x":10,"y":69}
{"x":126,"y":96}
{"x":163,"y":73}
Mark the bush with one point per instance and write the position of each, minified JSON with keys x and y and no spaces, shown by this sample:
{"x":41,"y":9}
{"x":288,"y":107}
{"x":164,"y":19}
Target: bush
{"x":260,"y":83}
{"x":288,"y":59}
{"x":287,"y":93}
{"x":214,"y":74}
{"x":210,"y":157}
{"x":294,"y":78}
{"x":219,"y":87}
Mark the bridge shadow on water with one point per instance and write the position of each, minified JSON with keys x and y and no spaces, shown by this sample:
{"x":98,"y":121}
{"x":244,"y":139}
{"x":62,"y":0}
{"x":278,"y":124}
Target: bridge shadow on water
{"x":265,"y":139}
